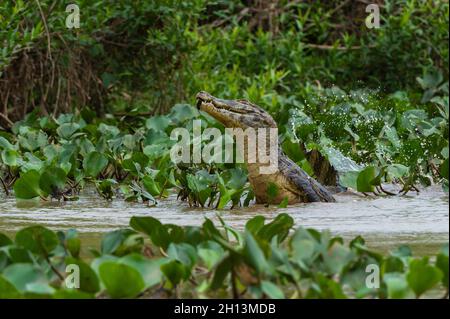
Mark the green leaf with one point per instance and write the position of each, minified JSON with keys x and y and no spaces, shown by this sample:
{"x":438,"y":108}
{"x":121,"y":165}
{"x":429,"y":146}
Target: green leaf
{"x":149,"y":269}
{"x":284,"y":203}
{"x":37,"y":239}
{"x":7,"y":289}
{"x":280,"y":227}
{"x":365,"y":179}
{"x":151,"y":186}
{"x":210,"y":256}
{"x":66,"y":130}
{"x":271,"y":290}
{"x":10,"y":157}
{"x":120,"y":280}
{"x":27,"y":186}
{"x":22,"y":276}
{"x":337,"y":257}
{"x":158,"y":123}
{"x":221,"y":272}
{"x":174,"y":271}
{"x":349,"y":179}
{"x":146,"y":224}
{"x":397,"y":286}
{"x":88,"y":278}
{"x":397,"y":170}
{"x":52,"y":179}
{"x":4,"y":240}
{"x":255,"y":255}
{"x":184,"y":253}
{"x":121,"y":242}
{"x":422,"y":276}
{"x":254,"y":224}
{"x":94,"y":163}
{"x":5,"y":144}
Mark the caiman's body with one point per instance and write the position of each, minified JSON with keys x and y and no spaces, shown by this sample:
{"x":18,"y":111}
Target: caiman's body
{"x":292,"y":182}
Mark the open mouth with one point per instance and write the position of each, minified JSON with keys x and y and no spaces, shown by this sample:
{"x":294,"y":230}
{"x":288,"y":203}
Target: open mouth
{"x":217,"y":104}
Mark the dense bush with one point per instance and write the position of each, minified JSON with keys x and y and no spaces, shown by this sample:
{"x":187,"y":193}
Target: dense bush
{"x":148,"y":55}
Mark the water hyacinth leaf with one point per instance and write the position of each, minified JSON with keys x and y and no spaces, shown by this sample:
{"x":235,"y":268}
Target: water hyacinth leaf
{"x":73,"y":245}
{"x":393,"y":264}
{"x":431,"y":79}
{"x":174,"y":271}
{"x":284,"y":203}
{"x":211,"y":230}
{"x":151,"y":185}
{"x":148,"y":268}
{"x":303,"y":250}
{"x":52,"y":179}
{"x":223,"y":268}
{"x":5,"y":144}
{"x":326,"y":289}
{"x":280,"y":227}
{"x":397,"y":286}
{"x":337,"y":257}
{"x":392,"y":136}
{"x":10,"y":157}
{"x":66,"y":130}
{"x":22,"y":276}
{"x":443,"y":265}
{"x":167,"y":234}
{"x":5,"y":240}
{"x":349,"y":179}
{"x":210,"y":256}
{"x":340,"y":162}
{"x":120,"y":242}
{"x":254,"y":224}
{"x":271,"y":290}
{"x":8,"y":290}
{"x":365,"y":179}
{"x":27,"y":186}
{"x":255,"y":255}
{"x":120,"y":280}
{"x":397,"y":170}
{"x":88,"y":279}
{"x":158,"y":123}
{"x":184,"y":253}
{"x":422,"y":276}
{"x":237,"y":179}
{"x":109,"y":131}
{"x":145,"y":224}
{"x":94,"y":163}
{"x":183,"y":112}
{"x":19,"y":255}
{"x":403,"y":252}
{"x":37,"y":239}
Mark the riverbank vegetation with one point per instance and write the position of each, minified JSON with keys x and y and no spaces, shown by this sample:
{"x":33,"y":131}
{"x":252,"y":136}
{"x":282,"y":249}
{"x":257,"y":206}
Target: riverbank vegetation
{"x":97,"y":104}
{"x":266,"y":260}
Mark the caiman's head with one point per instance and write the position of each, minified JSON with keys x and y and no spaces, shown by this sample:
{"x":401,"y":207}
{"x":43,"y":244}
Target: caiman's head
{"x":234,"y":113}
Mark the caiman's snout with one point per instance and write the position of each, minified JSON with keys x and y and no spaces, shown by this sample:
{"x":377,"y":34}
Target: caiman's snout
{"x":203,"y":97}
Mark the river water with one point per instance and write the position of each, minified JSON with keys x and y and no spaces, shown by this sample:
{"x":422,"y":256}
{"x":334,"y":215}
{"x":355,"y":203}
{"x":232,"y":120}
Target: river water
{"x":419,"y":220}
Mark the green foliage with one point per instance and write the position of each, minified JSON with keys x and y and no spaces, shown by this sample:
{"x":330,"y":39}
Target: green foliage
{"x":172,"y":49}
{"x":261,"y":261}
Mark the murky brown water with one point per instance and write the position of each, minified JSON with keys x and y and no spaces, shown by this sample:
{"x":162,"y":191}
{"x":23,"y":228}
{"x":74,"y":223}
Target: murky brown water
{"x":421,"y":221}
